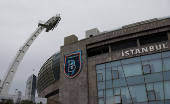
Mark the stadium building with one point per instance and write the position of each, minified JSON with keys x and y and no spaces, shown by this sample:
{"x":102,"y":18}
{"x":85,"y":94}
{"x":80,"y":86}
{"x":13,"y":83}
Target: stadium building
{"x":129,"y":65}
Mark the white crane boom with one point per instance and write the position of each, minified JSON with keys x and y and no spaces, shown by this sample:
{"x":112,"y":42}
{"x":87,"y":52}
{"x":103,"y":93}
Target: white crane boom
{"x":9,"y":75}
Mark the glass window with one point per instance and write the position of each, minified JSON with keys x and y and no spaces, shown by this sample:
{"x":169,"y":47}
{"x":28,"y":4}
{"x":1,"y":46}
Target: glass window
{"x":151,"y":95}
{"x":101,"y":101}
{"x":149,"y":86}
{"x":101,"y":66}
{"x":156,"y":102}
{"x":101,"y":85}
{"x":115,"y":74}
{"x":110,"y":100}
{"x":114,"y":68}
{"x":103,"y":73}
{"x":120,"y":70}
{"x":166,"y":65}
{"x":115,"y":63}
{"x":100,"y":93}
{"x":131,"y":60}
{"x":135,"y":80}
{"x":108,"y":65}
{"x":119,"y":82}
{"x":99,"y":77}
{"x":150,"y":57}
{"x":166,"y":54}
{"x":99,"y":71}
{"x":117,"y":99}
{"x":142,"y":103}
{"x":116,"y":91}
{"x":167,"y":101}
{"x":109,"y":84}
{"x":138,"y":93}
{"x":166,"y":89}
{"x":166,"y":75}
{"x":132,"y":69}
{"x":109,"y":92}
{"x":153,"y":77}
{"x":146,"y":69}
{"x":156,"y":65}
{"x":108,"y":74}
{"x":158,"y":87}
{"x":125,"y":95}
{"x":144,"y":77}
{"x":145,"y":62}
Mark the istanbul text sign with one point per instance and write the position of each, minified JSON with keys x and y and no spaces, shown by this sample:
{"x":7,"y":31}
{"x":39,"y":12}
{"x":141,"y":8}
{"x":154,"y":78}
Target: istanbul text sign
{"x":146,"y":49}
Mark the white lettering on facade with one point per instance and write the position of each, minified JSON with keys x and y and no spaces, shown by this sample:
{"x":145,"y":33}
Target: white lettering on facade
{"x":123,"y":53}
{"x":132,"y":51}
{"x":151,"y":48}
{"x":164,"y":46}
{"x":158,"y":48}
{"x":137,"y":51}
{"x":144,"y":49}
{"x":127,"y":52}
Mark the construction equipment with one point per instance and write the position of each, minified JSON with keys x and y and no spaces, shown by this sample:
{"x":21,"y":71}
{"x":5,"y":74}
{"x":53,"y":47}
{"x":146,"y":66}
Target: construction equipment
{"x":9,"y":75}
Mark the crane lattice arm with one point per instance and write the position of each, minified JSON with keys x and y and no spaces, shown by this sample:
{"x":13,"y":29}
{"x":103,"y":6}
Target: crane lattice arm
{"x":9,"y":75}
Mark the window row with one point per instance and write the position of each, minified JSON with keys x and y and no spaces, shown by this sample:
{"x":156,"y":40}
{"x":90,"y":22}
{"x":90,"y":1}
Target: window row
{"x":134,"y":94}
{"x":147,"y":59}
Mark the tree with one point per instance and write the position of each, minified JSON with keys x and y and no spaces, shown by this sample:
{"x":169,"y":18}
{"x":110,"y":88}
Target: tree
{"x":26,"y":102}
{"x":7,"y":101}
{"x":40,"y":103}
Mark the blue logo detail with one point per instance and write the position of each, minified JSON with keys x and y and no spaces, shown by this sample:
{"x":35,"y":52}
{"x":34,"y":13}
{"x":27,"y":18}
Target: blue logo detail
{"x":72,"y":64}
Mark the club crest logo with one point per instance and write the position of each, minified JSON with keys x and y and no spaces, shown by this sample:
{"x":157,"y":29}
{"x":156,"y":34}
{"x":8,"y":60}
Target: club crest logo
{"x":72,"y":64}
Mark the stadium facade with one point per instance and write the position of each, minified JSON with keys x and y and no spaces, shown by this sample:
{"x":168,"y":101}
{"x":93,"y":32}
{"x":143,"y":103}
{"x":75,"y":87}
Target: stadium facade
{"x":129,"y":65}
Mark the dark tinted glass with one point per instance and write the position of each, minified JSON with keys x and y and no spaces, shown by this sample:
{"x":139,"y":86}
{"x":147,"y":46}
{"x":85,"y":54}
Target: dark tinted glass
{"x":108,"y":74}
{"x":115,"y":74}
{"x":153,"y":77}
{"x":131,"y":60}
{"x":151,"y":95}
{"x":124,"y":45}
{"x":153,"y":39}
{"x":166,"y":54}
{"x":146,"y":69}
{"x":156,"y":102}
{"x":119,"y":82}
{"x":142,"y":103}
{"x":101,"y":66}
{"x":99,"y":77}
{"x":167,"y":101}
{"x":135,"y":80}
{"x":101,"y":85}
{"x":166,"y":75}
{"x":100,"y":93}
{"x":109,"y":84}
{"x":150,"y":57}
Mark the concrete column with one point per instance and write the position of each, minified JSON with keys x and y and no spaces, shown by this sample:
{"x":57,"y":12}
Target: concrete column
{"x":168,"y":35}
{"x":138,"y":43}
{"x":110,"y":49}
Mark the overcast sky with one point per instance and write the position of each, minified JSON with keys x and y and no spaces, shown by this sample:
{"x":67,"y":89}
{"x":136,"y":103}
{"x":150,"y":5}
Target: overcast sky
{"x":19,"y":18}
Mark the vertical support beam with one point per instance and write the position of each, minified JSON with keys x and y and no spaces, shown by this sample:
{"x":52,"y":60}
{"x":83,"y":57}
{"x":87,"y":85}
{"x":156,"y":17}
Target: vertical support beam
{"x":138,"y":43}
{"x":110,"y":49}
{"x":168,"y":33}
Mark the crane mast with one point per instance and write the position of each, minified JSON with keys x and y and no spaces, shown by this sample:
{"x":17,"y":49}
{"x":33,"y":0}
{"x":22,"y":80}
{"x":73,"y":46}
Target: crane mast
{"x":10,"y":73}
